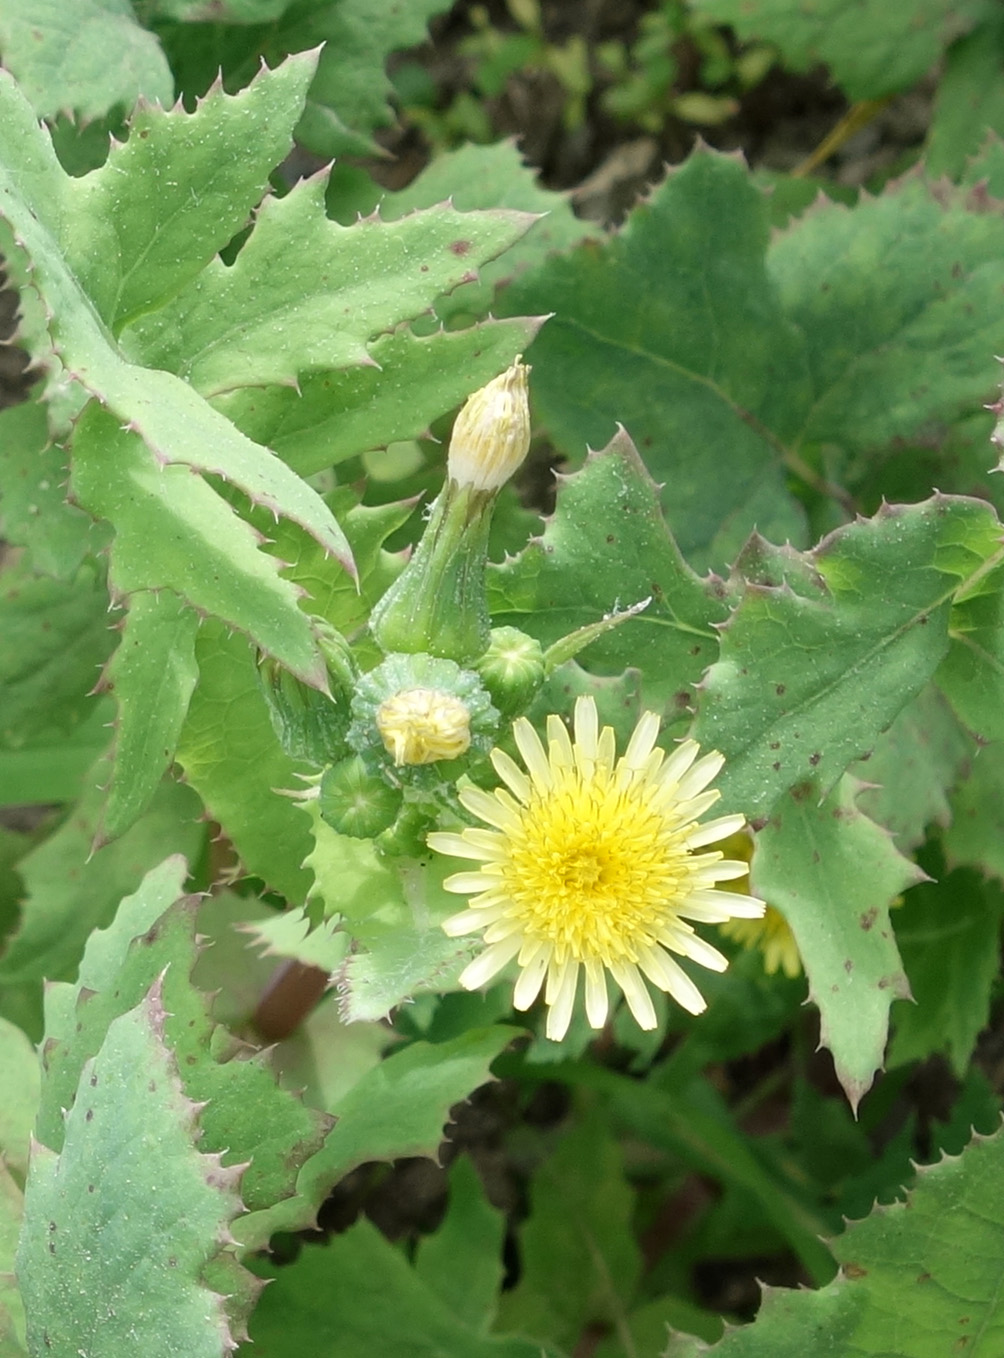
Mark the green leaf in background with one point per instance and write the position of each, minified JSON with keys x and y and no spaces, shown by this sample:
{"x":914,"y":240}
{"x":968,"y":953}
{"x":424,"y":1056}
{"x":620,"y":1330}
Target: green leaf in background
{"x":890,"y":299}
{"x":34,"y":512}
{"x":396,"y":1109}
{"x":975,"y":837}
{"x":152,"y":676}
{"x":472,"y":1234}
{"x":349,"y":97}
{"x":833,"y":874}
{"x":56,"y":636}
{"x":949,"y":937}
{"x":52,"y":769}
{"x":132,"y":247}
{"x":918,"y":1279}
{"x":409,"y":382}
{"x":914,"y":766}
{"x":673,"y":1120}
{"x":71,"y":891}
{"x":174,"y":423}
{"x":812,"y":669}
{"x":60,"y":56}
{"x":606,"y":548}
{"x":872,"y":48}
{"x":490,"y":177}
{"x":128,"y":1173}
{"x":12,"y":1323}
{"x":674,"y":328}
{"x":248,"y":1119}
{"x":19,"y":1079}
{"x":172,"y":529}
{"x":580,"y":1261}
{"x":335,"y":1302}
{"x":306,"y":294}
{"x":969,"y":98}
{"x":230,"y":754}
{"x":972,"y":673}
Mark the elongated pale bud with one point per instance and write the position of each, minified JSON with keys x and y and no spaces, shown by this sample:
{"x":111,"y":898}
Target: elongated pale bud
{"x":491,"y":436}
{"x":437,"y":605}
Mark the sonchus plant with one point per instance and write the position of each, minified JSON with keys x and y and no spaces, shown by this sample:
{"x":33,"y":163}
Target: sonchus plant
{"x":349,"y":808}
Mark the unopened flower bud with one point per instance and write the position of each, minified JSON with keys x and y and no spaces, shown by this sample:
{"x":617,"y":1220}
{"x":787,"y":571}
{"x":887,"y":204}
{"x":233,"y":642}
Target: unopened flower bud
{"x":356,"y":801}
{"x":421,"y":725}
{"x":420,"y":709}
{"x":512,"y":670}
{"x":437,"y":605}
{"x":491,"y":436}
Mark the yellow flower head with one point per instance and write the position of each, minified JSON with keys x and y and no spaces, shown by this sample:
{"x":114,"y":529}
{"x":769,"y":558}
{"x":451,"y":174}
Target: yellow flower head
{"x":421,"y":725}
{"x":491,"y":436}
{"x":591,"y":864}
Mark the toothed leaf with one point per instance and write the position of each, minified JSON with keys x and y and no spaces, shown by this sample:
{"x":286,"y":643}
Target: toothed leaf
{"x":133,"y":246}
{"x":916,"y":1277}
{"x":969,"y":99}
{"x":129,"y":1171}
{"x":231,"y":756}
{"x":890,"y":297}
{"x":247,"y":1118}
{"x":972,"y":673}
{"x":485,"y":177}
{"x":580,"y":1261}
{"x":409,"y":382}
{"x":306,"y":294}
{"x":60,"y":56}
{"x":174,"y":423}
{"x":151,"y":676}
{"x":397,"y":1109}
{"x":172,"y":529}
{"x":807,"y":680}
{"x":673,"y":328}
{"x":12,"y":1325}
{"x":607,"y":547}
{"x":833,"y":874}
{"x":332,"y":1304}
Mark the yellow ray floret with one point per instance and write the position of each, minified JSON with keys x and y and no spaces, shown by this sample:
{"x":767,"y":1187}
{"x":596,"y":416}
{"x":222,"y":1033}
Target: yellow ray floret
{"x":591,"y":863}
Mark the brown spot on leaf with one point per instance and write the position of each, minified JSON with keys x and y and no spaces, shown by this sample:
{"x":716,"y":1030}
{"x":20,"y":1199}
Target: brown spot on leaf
{"x":868,"y":919}
{"x":460,"y":247}
{"x":855,"y":1271}
{"x":780,"y":690}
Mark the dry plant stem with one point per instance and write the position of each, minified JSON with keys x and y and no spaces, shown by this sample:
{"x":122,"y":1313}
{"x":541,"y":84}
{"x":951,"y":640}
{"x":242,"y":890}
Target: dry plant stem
{"x":290,"y":995}
{"x":857,"y":116}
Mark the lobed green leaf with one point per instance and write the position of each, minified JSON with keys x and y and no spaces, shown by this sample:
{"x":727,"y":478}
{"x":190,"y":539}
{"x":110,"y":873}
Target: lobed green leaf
{"x":127,"y":1174}
{"x":916,"y":1278}
{"x":833,"y":874}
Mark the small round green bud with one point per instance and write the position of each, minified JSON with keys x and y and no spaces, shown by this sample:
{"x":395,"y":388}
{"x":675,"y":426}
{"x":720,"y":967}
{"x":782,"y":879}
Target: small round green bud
{"x":356,"y":801}
{"x":512,"y":670}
